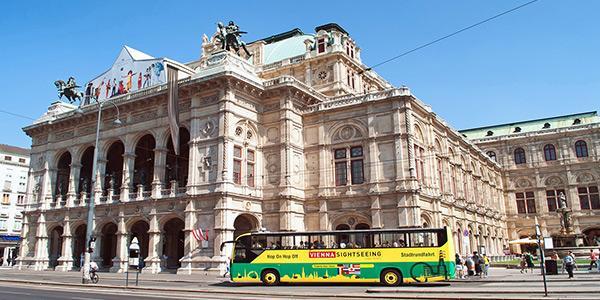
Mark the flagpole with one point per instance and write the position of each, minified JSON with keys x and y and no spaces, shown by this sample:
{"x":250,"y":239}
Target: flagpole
{"x":538,"y":235}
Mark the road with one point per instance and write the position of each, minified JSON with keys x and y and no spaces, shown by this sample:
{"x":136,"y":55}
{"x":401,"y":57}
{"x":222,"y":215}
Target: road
{"x":503,"y":284}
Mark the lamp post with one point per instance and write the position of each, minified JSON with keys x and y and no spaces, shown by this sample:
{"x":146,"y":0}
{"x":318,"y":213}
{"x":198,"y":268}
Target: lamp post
{"x":89,"y":239}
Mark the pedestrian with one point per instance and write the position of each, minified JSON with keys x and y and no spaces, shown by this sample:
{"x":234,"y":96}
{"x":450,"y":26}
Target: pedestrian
{"x":470,"y":266}
{"x":523,"y":263}
{"x":574,"y":260}
{"x":593,"y":259}
{"x":569,"y":262}
{"x":477,"y":261}
{"x":459,"y":266}
{"x":486,"y":266}
{"x":529,"y":260}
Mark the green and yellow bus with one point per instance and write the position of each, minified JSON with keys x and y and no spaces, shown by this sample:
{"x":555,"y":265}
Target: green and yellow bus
{"x":387,"y":256}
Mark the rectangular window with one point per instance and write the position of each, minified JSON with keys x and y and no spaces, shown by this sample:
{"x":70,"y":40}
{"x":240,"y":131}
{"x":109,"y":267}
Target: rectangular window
{"x":6,"y":199}
{"x":525,"y":203}
{"x":20,"y":199}
{"x":420,"y":164}
{"x":340,"y":173}
{"x":2,"y":224}
{"x":250,"y":172}
{"x":340,"y":153}
{"x":17,"y":226}
{"x":7,"y":185}
{"x":552,"y":197}
{"x":22,"y":160}
{"x":589,"y":197}
{"x":357,"y":171}
{"x":321,"y":45}
{"x":8,"y":158}
{"x":237,"y":171}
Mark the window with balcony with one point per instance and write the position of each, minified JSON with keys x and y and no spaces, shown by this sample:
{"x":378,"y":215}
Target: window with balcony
{"x":520,"y":156}
{"x":549,"y":152}
{"x":525,"y":202}
{"x":553,"y":200}
{"x":581,"y":149}
{"x":588,"y":197}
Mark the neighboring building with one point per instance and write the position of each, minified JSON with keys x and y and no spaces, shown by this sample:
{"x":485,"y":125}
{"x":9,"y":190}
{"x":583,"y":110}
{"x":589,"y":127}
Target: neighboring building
{"x":540,"y":160}
{"x":14,"y":168}
{"x":301,"y":136}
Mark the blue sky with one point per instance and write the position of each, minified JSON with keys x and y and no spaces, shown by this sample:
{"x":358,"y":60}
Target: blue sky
{"x":539,"y":61}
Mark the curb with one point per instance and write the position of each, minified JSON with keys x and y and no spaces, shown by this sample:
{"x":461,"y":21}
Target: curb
{"x":370,"y":293}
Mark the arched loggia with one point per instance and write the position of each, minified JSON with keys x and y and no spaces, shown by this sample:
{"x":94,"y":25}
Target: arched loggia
{"x":63,"y":172}
{"x":177,"y":165}
{"x":144,"y":162}
{"x":114,"y":166}
{"x":85,"y":175}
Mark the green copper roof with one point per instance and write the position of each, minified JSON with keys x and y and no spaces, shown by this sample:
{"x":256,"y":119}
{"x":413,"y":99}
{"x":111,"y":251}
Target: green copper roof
{"x":531,"y":125}
{"x":290,"y":47}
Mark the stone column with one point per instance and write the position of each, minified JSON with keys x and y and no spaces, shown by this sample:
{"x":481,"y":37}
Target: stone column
{"x":190,"y":243}
{"x":160,"y":164}
{"x":66,"y":259}
{"x":24,"y":249}
{"x":153,"y":259}
{"x":376,"y":216}
{"x":41,"y":245}
{"x":120,"y":259}
{"x":73,"y":184}
{"x":127,"y":180}
{"x":323,"y":215}
{"x":51,"y":187}
{"x":99,"y":184}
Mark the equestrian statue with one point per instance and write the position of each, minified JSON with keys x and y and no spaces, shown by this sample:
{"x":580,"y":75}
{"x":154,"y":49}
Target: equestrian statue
{"x":229,"y":38}
{"x":68,"y":89}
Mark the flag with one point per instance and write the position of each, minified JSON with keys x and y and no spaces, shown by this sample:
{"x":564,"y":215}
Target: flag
{"x":349,"y":269}
{"x":200,"y":235}
{"x":173,"y":106}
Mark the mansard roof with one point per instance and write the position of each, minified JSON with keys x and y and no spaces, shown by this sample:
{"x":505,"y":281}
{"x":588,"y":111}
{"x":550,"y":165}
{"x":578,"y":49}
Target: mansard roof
{"x":532,"y":125}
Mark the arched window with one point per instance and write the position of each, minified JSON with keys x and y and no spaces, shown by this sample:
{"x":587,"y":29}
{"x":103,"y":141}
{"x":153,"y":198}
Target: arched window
{"x":491,"y":155}
{"x":581,"y":149}
{"x":549,"y":152}
{"x":520,"y":156}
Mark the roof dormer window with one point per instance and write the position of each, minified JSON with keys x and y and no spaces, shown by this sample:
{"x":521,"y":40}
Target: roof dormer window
{"x":576,"y":121}
{"x":517,"y":129}
{"x":489,"y":133}
{"x":546,"y":125}
{"x":320,"y":45}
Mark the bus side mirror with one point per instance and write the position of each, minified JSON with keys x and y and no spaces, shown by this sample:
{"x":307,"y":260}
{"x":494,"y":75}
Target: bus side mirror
{"x":223,"y":244}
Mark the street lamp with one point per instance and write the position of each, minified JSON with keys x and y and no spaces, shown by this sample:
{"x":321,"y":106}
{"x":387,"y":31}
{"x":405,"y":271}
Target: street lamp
{"x":89,"y":239}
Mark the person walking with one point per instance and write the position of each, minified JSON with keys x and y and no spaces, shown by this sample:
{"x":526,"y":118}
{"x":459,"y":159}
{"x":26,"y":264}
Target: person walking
{"x":574,"y":260}
{"x":569,"y":262}
{"x":593,"y":259}
{"x":486,"y":266}
{"x":523,"y":263}
{"x":529,"y":260}
{"x":477,"y":261}
{"x":470,"y":264}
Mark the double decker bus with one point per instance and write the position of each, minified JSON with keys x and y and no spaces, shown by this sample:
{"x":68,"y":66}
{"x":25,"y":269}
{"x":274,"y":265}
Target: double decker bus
{"x":387,"y":256}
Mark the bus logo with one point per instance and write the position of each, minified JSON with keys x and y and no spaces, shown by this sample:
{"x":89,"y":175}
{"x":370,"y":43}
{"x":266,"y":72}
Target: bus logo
{"x":321,"y":254}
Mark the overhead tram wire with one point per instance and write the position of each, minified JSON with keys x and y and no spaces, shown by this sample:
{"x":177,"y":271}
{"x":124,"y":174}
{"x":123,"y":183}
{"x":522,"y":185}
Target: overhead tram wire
{"x":449,"y":35}
{"x":16,"y":115}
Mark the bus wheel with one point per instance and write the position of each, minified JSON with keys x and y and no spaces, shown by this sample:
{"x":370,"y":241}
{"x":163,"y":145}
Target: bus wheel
{"x":390,"y":277}
{"x":270,"y":277}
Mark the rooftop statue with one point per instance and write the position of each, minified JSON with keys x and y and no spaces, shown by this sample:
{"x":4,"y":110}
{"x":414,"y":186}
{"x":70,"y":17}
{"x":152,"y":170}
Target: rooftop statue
{"x":227,"y":38}
{"x":68,"y":89}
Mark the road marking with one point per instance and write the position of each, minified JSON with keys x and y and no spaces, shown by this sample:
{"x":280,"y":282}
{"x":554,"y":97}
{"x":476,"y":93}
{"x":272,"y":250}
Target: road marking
{"x":15,"y":293}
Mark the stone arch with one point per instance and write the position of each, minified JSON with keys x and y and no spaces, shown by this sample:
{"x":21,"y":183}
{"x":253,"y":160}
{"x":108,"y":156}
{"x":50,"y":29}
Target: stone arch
{"x":585,"y":177}
{"x":63,"y":174}
{"x":173,"y":242}
{"x":437,"y":145}
{"x":522,"y":182}
{"x":55,"y":242}
{"x":245,"y":130}
{"x":114,"y":165}
{"x":143,"y":170}
{"x":108,"y":243}
{"x":85,"y":174}
{"x":351,"y":220}
{"x":139,"y":229}
{"x":79,"y":230}
{"x":106,"y":144}
{"x":459,"y":238}
{"x":347,"y":130}
{"x":426,"y":220}
{"x":245,"y":223}
{"x":176,"y":167}
{"x":419,"y":136}
{"x":553,"y":180}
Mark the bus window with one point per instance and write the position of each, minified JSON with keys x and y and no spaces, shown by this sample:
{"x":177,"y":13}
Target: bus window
{"x":423,"y":239}
{"x":395,"y":240}
{"x":274,"y":242}
{"x":259,"y":242}
{"x":301,"y":242}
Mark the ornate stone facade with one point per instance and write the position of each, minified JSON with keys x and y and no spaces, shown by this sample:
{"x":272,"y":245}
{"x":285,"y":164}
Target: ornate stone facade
{"x":298,"y":137}
{"x":541,"y":159}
